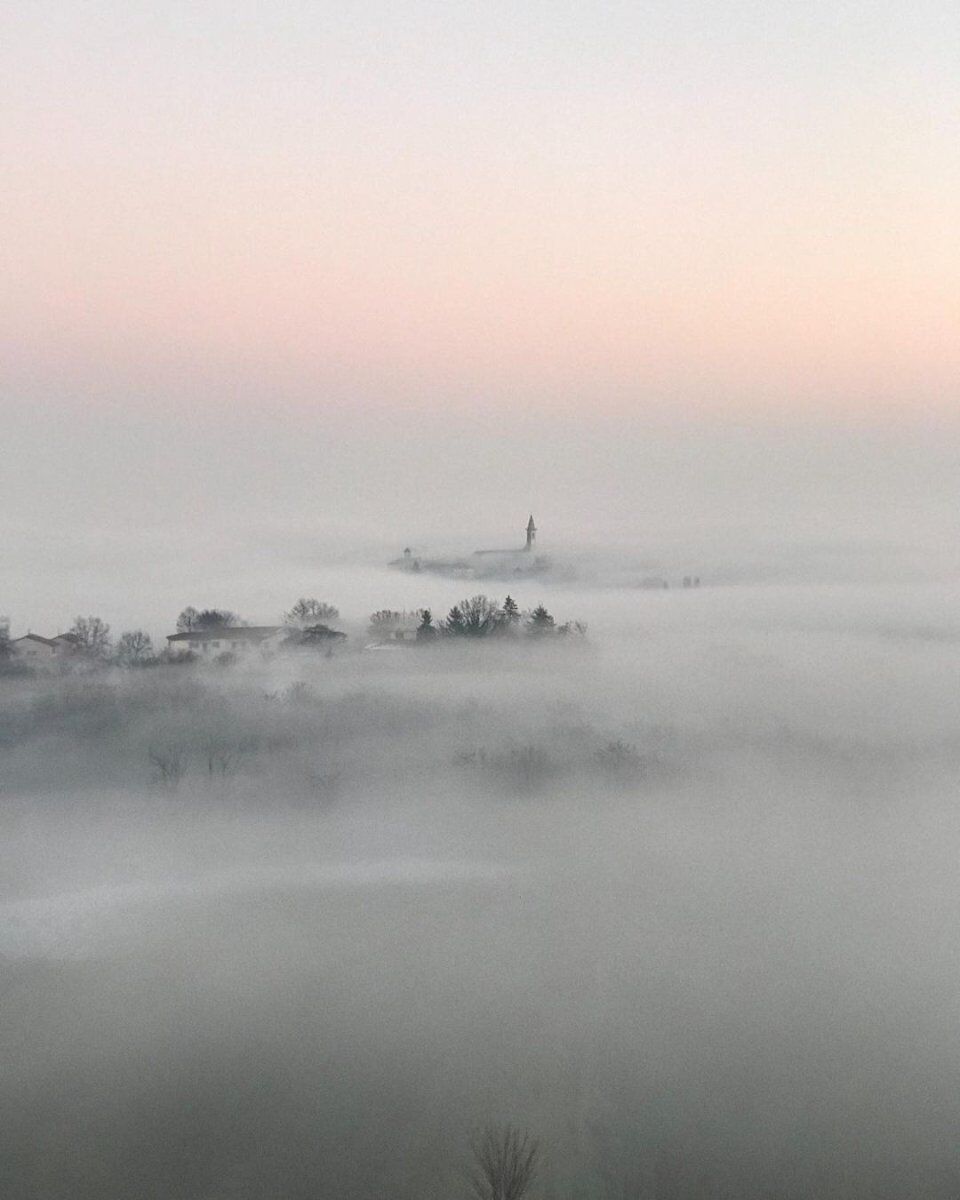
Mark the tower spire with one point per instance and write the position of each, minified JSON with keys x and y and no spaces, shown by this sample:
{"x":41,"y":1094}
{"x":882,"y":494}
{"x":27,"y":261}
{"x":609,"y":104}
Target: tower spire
{"x":531,"y":533}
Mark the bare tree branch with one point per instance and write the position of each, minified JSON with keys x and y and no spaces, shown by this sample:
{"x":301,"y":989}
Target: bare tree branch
{"x":505,"y":1163}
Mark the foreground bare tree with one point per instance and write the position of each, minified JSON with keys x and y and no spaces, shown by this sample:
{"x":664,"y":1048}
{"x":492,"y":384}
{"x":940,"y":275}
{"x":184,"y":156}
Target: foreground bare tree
{"x":505,"y":1162}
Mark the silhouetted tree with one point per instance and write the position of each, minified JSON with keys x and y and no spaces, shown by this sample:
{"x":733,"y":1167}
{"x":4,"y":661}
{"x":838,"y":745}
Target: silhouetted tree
{"x":91,"y":635}
{"x":454,"y":625}
{"x":187,"y":619}
{"x":310,"y":612}
{"x":216,"y":618}
{"x":540,"y":622}
{"x":383,"y":622}
{"x":480,"y":616}
{"x":134,"y":647}
{"x":505,"y":1163}
{"x":169,"y":764}
{"x":511,"y":611}
{"x":426,"y":630}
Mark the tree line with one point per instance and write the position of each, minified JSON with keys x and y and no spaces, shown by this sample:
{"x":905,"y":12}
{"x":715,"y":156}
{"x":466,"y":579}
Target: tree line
{"x":476,"y":617}
{"x":309,"y":621}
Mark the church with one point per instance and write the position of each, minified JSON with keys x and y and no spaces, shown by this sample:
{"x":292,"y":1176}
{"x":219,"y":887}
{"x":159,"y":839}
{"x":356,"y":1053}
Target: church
{"x":531,"y":532}
{"x":483,"y":564}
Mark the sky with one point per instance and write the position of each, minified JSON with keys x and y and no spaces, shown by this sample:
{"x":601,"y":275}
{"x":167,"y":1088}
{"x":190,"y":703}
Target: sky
{"x":743,"y":206}
{"x":370,"y":274}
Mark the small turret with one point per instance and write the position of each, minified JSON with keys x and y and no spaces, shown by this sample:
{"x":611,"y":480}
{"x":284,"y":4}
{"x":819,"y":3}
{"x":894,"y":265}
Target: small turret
{"x":531,"y":533}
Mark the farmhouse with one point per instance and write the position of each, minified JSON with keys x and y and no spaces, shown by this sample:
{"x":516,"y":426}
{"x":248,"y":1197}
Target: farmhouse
{"x":37,"y":651}
{"x":228,"y":639}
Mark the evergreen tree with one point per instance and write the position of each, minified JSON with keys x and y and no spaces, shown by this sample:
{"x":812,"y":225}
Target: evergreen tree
{"x":540,"y":622}
{"x":426,"y":630}
{"x":454,"y":625}
{"x":511,"y":611}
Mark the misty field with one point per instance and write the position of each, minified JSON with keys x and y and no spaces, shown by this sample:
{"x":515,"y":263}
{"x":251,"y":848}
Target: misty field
{"x":680,"y":901}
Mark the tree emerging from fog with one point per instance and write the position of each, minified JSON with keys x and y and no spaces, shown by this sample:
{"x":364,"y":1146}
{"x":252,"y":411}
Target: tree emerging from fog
{"x":476,"y":616}
{"x":540,"y":622}
{"x":454,"y":625}
{"x":207,"y":618}
{"x":504,"y":1165}
{"x":134,"y":648}
{"x":426,"y":630}
{"x":187,"y":619}
{"x":510,"y":612}
{"x":481,"y":616}
{"x":383,"y":622}
{"x":308,"y":612}
{"x":216,"y":618}
{"x":91,"y":635}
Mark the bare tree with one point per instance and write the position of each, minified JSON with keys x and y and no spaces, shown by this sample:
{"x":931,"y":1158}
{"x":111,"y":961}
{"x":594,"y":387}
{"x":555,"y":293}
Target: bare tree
{"x":223,"y":755}
{"x":481,"y":616}
{"x":474,"y":617}
{"x":216,"y":618}
{"x":573,"y":629}
{"x":209,"y":618}
{"x":91,"y":635}
{"x":383,"y":622}
{"x":169,"y":765}
{"x":505,"y":1163}
{"x":134,"y":647}
{"x":310,"y":612}
{"x":187,"y":619}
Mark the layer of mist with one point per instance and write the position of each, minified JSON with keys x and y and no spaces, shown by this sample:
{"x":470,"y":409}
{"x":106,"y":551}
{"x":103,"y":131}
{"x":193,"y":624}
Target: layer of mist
{"x":679,"y":899}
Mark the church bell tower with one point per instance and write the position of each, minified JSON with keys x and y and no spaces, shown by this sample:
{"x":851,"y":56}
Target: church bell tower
{"x":531,"y":533}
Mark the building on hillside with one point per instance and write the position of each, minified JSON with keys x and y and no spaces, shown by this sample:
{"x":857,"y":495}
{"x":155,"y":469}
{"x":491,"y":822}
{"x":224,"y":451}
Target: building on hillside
{"x":35,"y":651}
{"x":406,"y":630}
{"x":242,"y":640}
{"x":400,"y":629}
{"x":484,"y":564}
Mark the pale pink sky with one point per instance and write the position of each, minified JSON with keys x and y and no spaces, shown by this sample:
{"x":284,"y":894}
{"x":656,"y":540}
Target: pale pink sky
{"x":614,"y":205}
